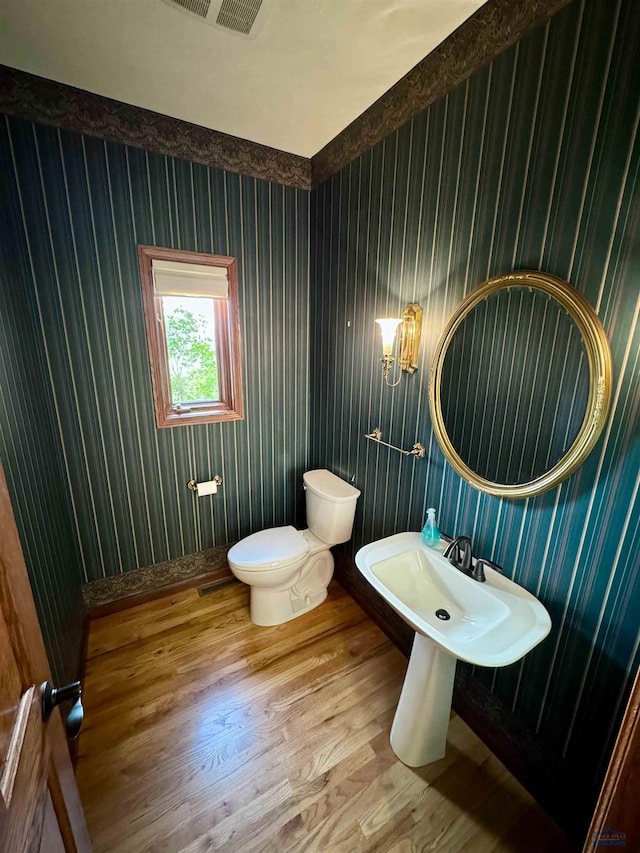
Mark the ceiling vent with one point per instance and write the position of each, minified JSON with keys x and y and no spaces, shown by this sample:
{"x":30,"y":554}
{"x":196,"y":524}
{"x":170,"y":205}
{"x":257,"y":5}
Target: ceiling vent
{"x":237,"y":17}
{"x":198,"y":7}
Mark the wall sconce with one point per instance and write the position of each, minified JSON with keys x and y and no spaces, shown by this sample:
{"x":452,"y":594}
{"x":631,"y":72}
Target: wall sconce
{"x":388,"y":327}
{"x":410,"y":324}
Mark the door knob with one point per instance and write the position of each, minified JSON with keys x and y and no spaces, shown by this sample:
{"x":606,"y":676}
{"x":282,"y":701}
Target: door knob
{"x":53,"y":696}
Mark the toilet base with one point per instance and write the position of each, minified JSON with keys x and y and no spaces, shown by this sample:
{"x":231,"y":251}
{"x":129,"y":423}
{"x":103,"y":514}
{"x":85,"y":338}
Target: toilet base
{"x":274,"y":605}
{"x":269,"y":607}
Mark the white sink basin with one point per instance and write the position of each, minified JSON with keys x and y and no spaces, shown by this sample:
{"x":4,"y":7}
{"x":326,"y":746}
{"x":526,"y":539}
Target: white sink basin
{"x":491,"y":624}
{"x":454,"y":616}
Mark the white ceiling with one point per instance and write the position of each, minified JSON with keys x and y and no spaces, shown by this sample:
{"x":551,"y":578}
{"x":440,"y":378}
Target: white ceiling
{"x":311,"y":69}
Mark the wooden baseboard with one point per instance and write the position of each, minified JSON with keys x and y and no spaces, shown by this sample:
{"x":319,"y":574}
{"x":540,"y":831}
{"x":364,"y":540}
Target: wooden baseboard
{"x":546,"y":777}
{"x":137,"y":586}
{"x":216,"y":577}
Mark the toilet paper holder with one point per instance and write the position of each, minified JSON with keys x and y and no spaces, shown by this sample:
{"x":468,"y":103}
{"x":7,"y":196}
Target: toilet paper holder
{"x":193,"y":484}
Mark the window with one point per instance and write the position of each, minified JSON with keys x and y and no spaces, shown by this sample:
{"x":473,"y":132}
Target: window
{"x":193,"y":335}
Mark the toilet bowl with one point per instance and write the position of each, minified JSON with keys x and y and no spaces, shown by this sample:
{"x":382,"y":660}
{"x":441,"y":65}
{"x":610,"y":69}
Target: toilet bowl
{"x":288,"y":570}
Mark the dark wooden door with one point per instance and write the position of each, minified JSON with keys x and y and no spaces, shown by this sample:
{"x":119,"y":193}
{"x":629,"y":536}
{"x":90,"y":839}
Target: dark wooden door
{"x":616,"y":820}
{"x":40,"y":808}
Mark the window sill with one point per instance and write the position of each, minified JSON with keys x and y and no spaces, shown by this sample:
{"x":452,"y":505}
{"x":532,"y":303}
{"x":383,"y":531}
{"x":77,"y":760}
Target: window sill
{"x":197,"y":416}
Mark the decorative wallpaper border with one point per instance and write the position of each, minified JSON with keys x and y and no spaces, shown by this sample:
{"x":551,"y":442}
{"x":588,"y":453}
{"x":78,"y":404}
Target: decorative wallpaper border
{"x":137,"y":582}
{"x":34,"y":98}
{"x":493,"y":28}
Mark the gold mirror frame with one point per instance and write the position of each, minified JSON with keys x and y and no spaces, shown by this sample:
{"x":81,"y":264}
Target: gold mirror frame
{"x":600,"y":381}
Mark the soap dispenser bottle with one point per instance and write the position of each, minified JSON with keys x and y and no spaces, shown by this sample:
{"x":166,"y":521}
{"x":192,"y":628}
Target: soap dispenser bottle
{"x":430,"y":532}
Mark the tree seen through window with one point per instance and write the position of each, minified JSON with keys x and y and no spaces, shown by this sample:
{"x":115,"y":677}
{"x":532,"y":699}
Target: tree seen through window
{"x":193,"y":369}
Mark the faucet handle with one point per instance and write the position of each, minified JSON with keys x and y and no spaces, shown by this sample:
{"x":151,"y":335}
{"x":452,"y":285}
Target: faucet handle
{"x":478,"y":569}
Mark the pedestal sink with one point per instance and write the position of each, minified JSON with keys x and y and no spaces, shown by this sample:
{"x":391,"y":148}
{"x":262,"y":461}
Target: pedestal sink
{"x":489,"y":624}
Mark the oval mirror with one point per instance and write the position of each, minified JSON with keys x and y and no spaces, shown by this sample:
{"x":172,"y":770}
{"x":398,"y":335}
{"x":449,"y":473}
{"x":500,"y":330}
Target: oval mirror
{"x":520,"y":384}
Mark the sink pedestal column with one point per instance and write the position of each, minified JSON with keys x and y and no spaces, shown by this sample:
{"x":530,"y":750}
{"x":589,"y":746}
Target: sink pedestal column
{"x":419,"y":730}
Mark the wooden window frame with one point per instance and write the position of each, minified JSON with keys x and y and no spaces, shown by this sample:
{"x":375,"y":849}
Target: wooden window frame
{"x":228,"y":346}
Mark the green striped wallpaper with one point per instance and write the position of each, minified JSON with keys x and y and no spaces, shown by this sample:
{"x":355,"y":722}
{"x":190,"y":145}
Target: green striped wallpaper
{"x":30,"y":446}
{"x":531,"y":164}
{"x":78,"y":208}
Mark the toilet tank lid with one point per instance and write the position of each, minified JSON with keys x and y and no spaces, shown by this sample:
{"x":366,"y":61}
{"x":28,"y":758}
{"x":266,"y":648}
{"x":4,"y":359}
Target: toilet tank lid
{"x":277,"y":545}
{"x":327,"y":485}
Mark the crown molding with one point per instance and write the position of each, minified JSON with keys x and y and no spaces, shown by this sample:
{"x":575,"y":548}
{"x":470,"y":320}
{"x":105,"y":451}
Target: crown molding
{"x":37,"y":99}
{"x":492,"y":29}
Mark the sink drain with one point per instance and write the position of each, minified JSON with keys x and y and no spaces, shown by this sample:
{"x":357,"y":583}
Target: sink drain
{"x":442,"y":614}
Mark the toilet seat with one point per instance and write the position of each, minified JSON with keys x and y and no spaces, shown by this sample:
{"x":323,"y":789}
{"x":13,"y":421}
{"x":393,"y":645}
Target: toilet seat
{"x":276,"y":547}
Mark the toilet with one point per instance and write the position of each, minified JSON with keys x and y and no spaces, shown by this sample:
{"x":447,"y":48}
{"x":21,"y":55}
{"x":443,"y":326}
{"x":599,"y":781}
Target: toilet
{"x":288,"y":570}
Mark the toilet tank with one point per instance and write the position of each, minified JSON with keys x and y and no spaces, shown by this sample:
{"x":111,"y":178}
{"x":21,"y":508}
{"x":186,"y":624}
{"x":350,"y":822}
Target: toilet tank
{"x":331,"y":506}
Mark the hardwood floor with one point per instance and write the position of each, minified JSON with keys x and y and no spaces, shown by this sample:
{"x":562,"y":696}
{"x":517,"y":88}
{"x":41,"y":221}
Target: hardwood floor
{"x":205,"y":732}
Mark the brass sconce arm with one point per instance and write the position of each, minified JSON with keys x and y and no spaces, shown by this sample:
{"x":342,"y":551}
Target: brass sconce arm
{"x":387,"y":361}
